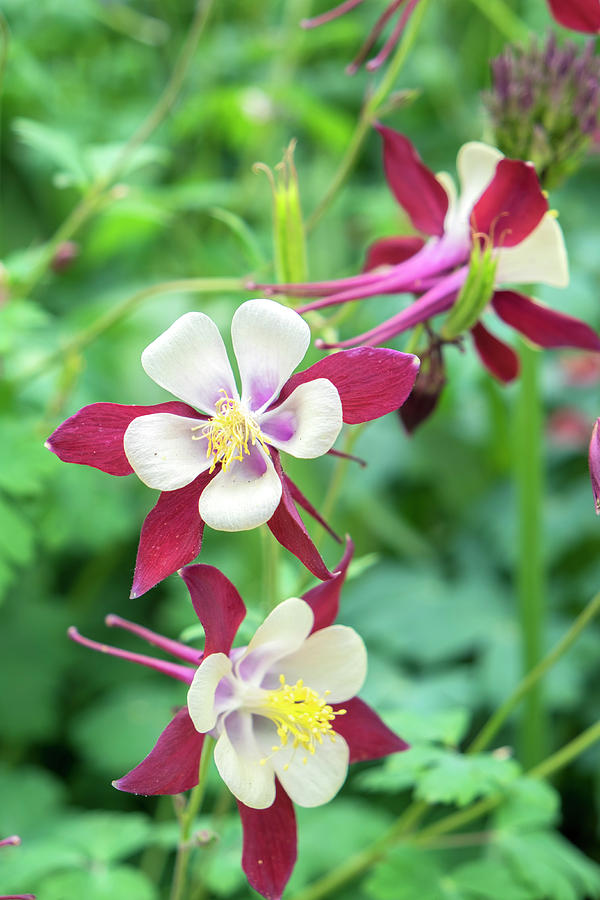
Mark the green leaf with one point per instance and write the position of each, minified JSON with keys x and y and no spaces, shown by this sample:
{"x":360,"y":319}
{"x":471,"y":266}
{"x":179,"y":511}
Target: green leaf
{"x":105,"y":837}
{"x":54,"y":148}
{"x":528,"y":803}
{"x":123,"y":883}
{"x":28,"y":800}
{"x":454,"y":778}
{"x":551,"y":866}
{"x":490,"y":879}
{"x":118,"y":731}
{"x":24,"y":461}
{"x":411,"y":874}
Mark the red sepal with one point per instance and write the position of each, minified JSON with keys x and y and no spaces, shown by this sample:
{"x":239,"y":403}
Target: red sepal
{"x":371,"y":381}
{"x":391,"y":251}
{"x":542,"y":325}
{"x":365,"y":733}
{"x":512,"y":204}
{"x":270,"y":845}
{"x":500,"y":359}
{"x":580,"y":15}
{"x":94,"y":435}
{"x":217,"y":604}
{"x":171,"y":535}
{"x":302,"y":501}
{"x":172,"y":765}
{"x":414,"y":186}
{"x":324,"y":599}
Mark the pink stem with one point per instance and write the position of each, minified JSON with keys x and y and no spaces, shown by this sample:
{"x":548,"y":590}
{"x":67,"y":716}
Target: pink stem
{"x":334,"y":13}
{"x":373,"y":35}
{"x":175,"y":648}
{"x":181,"y":673}
{"x":391,"y":42}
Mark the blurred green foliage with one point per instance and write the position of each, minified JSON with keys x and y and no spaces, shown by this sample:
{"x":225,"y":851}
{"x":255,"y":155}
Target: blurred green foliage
{"x":432,"y":516}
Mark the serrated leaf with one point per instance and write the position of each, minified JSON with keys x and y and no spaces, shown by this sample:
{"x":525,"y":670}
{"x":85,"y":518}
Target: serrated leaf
{"x":105,"y":837}
{"x":528,"y":803}
{"x":123,"y":883}
{"x":551,"y":866}
{"x":455,"y":778}
{"x":411,"y":874}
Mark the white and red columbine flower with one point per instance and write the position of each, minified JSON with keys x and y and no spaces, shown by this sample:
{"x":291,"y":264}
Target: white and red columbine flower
{"x":500,"y":208}
{"x":13,"y":841}
{"x":283,"y":711}
{"x":215,"y":454}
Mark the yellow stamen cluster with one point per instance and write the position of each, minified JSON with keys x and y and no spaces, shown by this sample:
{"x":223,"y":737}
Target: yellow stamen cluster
{"x":299,"y":714}
{"x":229,"y":433}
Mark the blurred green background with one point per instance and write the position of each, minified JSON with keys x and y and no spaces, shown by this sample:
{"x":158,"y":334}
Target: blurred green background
{"x":432,"y":516}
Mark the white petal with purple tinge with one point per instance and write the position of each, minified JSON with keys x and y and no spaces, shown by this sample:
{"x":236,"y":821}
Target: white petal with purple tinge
{"x":269,"y":340}
{"x":237,"y":757}
{"x":201,"y":695}
{"x":317,"y":780}
{"x":541,"y":257}
{"x":189,"y":360}
{"x":243,"y":496}
{"x":282,"y":633}
{"x":308,"y":422}
{"x":162,"y":452}
{"x":333,"y":659}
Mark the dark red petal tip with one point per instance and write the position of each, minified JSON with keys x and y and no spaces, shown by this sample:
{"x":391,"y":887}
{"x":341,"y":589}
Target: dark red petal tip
{"x":512,"y":204}
{"x":542,"y":325}
{"x":269,"y":851}
{"x":580,"y":15}
{"x":172,"y":765}
{"x":414,"y":186}
{"x":171,"y":535}
{"x":367,"y":736}
{"x":500,"y":359}
{"x":217,"y":604}
{"x":324,"y":599}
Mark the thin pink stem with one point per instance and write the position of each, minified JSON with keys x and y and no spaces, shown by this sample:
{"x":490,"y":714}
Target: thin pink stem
{"x":393,"y":38}
{"x":181,"y":673}
{"x":13,"y":841}
{"x":373,"y":35}
{"x":334,"y":13}
{"x":175,"y":648}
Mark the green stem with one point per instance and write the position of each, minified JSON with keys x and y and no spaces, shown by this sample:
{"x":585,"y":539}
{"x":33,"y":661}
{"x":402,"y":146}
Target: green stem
{"x":504,"y":19}
{"x":369,"y":112}
{"x":530,"y":575}
{"x":362,"y":861}
{"x":89,"y":203}
{"x":339,"y":472}
{"x":121,"y":310}
{"x":270,"y":553}
{"x":493,"y":725}
{"x":187,"y":819}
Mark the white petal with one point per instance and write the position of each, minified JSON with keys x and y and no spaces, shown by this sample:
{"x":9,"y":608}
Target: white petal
{"x":282,"y":633}
{"x":189,"y":360}
{"x":269,"y":341}
{"x":162,"y":451}
{"x":476,"y":165}
{"x":201,"y":695}
{"x":244,"y":496}
{"x":317,"y":780}
{"x":237,"y":757}
{"x":308,"y":422}
{"x":541,"y":257}
{"x":333,"y":659}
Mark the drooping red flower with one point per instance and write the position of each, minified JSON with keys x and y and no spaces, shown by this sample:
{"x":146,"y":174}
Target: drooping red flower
{"x":283,"y":711}
{"x":214,"y":454}
{"x":500,"y":219}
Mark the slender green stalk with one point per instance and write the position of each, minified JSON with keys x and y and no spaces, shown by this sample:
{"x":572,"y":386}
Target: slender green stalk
{"x":270,"y":554}
{"x":121,"y":310}
{"x":492,"y":726}
{"x":504,"y":19}
{"x":339,"y":472}
{"x":369,"y":112}
{"x":187,"y":819}
{"x":94,"y":196}
{"x":530,"y":575}
{"x":566,"y":754}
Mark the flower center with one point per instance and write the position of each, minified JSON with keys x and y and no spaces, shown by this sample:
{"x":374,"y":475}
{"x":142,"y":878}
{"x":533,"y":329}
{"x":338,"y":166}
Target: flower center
{"x":300,"y":715}
{"x":229,"y":433}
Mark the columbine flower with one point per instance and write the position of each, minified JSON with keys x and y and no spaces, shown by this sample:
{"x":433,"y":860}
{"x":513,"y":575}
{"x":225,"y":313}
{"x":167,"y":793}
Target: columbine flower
{"x":580,"y":15}
{"x":402,"y":9}
{"x":594,"y":459}
{"x":498,"y":230}
{"x":13,"y":841}
{"x":544,"y":105}
{"x":217,"y":460}
{"x":283,"y":711}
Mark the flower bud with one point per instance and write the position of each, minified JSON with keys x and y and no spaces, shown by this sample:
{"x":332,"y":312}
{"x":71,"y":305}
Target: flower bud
{"x":544,"y":105}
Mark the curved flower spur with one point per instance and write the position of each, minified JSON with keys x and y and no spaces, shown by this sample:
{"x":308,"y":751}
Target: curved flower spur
{"x":215,"y":454}
{"x":283,"y":711}
{"x":496,"y":231}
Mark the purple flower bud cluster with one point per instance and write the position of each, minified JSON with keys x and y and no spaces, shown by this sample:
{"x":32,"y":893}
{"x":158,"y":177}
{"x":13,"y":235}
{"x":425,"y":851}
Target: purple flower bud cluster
{"x":544,"y":104}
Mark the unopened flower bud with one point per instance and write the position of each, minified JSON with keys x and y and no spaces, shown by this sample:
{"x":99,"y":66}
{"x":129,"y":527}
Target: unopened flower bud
{"x":544,"y":105}
{"x":64,"y":256}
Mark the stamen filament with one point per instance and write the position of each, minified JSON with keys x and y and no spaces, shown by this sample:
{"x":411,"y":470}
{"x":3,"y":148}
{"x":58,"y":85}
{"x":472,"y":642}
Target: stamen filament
{"x":229,"y":433}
